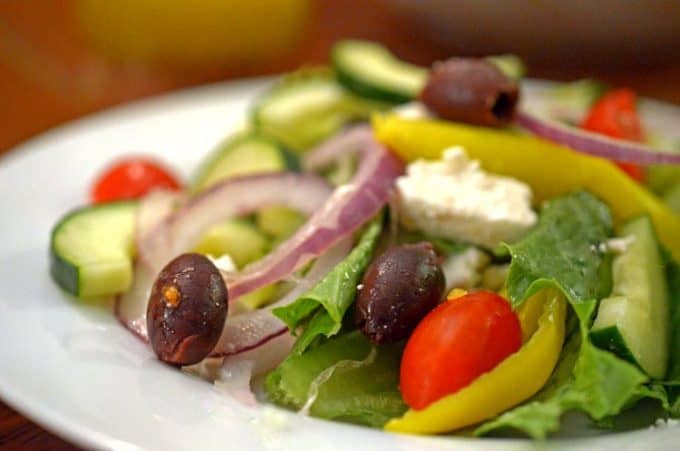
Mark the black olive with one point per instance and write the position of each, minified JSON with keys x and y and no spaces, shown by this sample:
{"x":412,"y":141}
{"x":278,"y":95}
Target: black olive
{"x":187,"y":309}
{"x":398,"y":289}
{"x":470,"y":90}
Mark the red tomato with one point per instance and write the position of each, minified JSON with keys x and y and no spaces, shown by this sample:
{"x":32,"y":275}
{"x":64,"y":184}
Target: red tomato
{"x":130,"y":179}
{"x":633,"y":170}
{"x":615,"y":115}
{"x":454,"y":344}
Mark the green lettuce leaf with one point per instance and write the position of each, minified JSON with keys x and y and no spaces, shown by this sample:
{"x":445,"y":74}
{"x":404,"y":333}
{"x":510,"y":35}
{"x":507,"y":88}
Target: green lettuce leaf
{"x":563,"y":252}
{"x":672,"y":384}
{"x":365,"y":392}
{"x":673,"y":278}
{"x":328,"y":301}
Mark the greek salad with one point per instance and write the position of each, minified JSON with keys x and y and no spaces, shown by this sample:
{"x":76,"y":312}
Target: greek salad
{"x":407,"y":248}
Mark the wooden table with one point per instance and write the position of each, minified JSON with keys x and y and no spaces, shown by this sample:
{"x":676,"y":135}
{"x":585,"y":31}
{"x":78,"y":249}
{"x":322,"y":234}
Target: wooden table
{"x":29,"y":103}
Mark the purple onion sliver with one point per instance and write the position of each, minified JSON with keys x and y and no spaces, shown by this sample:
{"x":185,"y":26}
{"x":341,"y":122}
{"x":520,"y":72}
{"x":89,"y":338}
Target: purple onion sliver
{"x":595,"y":144}
{"x":250,"y":330}
{"x":232,"y":198}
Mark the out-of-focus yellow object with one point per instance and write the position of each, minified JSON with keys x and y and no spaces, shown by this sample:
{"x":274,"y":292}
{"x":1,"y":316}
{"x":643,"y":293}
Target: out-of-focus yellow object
{"x":194,"y":31}
{"x":514,"y":380}
{"x":455,"y":294}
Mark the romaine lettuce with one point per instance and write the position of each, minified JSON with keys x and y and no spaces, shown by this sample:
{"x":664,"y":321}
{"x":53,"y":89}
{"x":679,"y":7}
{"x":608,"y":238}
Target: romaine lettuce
{"x":563,"y":251}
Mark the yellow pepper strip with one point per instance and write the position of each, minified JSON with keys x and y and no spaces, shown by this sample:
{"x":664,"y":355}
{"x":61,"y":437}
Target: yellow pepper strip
{"x":456,"y":293}
{"x":529,"y":313}
{"x":514,"y":380}
{"x":550,"y":169}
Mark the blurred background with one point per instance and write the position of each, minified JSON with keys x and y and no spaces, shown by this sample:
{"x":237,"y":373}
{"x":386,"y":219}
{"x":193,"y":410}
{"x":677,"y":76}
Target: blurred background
{"x":60,"y":59}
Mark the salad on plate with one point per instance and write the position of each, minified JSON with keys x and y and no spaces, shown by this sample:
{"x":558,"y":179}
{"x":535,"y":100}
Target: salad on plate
{"x":423,"y":250}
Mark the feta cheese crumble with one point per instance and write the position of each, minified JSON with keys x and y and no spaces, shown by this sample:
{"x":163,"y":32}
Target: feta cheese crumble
{"x":224,"y":263}
{"x":455,"y":198}
{"x":464,"y":270}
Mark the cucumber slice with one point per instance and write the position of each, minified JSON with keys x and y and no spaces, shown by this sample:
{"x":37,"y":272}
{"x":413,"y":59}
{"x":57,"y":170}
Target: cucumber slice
{"x":244,"y":154}
{"x":260,"y":297}
{"x":308,"y":106}
{"x":238,"y":238}
{"x":511,"y":65}
{"x":634,"y":321}
{"x":91,"y":250}
{"x":580,"y":93}
{"x":279,"y":222}
{"x":370,"y":70}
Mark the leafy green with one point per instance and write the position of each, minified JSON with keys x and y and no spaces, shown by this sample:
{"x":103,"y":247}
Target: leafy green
{"x":563,"y":251}
{"x":334,"y":294}
{"x":365,"y":392}
{"x":673,"y":278}
{"x":590,"y":380}
{"x":672,"y":384}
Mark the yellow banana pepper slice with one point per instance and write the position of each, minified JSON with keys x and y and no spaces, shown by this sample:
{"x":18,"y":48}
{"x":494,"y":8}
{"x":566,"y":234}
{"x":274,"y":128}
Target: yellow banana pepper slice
{"x":550,"y":169}
{"x":514,"y":380}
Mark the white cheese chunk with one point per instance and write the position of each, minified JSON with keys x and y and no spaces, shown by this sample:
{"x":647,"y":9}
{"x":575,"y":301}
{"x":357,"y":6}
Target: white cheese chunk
{"x":412,"y":110}
{"x":464,"y":270}
{"x":455,"y":198}
{"x":224,"y":263}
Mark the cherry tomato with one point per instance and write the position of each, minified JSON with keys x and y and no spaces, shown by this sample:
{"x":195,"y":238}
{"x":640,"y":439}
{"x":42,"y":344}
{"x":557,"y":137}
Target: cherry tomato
{"x":633,"y":170}
{"x":615,"y":115}
{"x":454,"y":344}
{"x":132,"y":178}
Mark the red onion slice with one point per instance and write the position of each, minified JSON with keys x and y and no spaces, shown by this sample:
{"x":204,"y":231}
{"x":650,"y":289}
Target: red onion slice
{"x":157,"y":226}
{"x":233,"y":380}
{"x":351,"y":141}
{"x":232,"y":198}
{"x":593,"y":143}
{"x":154,"y":208}
{"x":234,"y":377}
{"x":349,"y":207}
{"x":251,"y":330}
{"x":130,"y":307}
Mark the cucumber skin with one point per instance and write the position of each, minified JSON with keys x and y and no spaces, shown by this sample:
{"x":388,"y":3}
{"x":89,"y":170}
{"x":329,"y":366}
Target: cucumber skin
{"x":366,"y":89}
{"x":290,"y":160}
{"x":63,"y":272}
{"x":610,"y":339}
{"x":372,"y":92}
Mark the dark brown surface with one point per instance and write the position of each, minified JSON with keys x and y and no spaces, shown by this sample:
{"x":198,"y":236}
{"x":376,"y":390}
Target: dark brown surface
{"x":17,"y":433}
{"x":47,"y":76}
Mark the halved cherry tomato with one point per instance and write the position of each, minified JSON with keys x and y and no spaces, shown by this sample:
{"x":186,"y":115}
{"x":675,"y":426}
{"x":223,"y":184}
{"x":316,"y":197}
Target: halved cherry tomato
{"x":454,"y":344}
{"x":132,"y":178}
{"x":615,"y":115}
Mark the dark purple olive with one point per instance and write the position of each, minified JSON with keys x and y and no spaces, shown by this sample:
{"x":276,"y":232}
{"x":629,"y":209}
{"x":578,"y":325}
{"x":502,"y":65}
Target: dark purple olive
{"x":470,"y":90}
{"x":187,"y":309}
{"x":399,"y":288}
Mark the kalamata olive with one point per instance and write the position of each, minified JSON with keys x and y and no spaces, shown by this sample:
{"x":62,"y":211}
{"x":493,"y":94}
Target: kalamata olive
{"x":399,"y":288}
{"x":187,"y":309}
{"x":470,"y":90}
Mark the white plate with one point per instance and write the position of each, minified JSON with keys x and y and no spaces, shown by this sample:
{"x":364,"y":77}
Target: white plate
{"x":74,"y":370}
